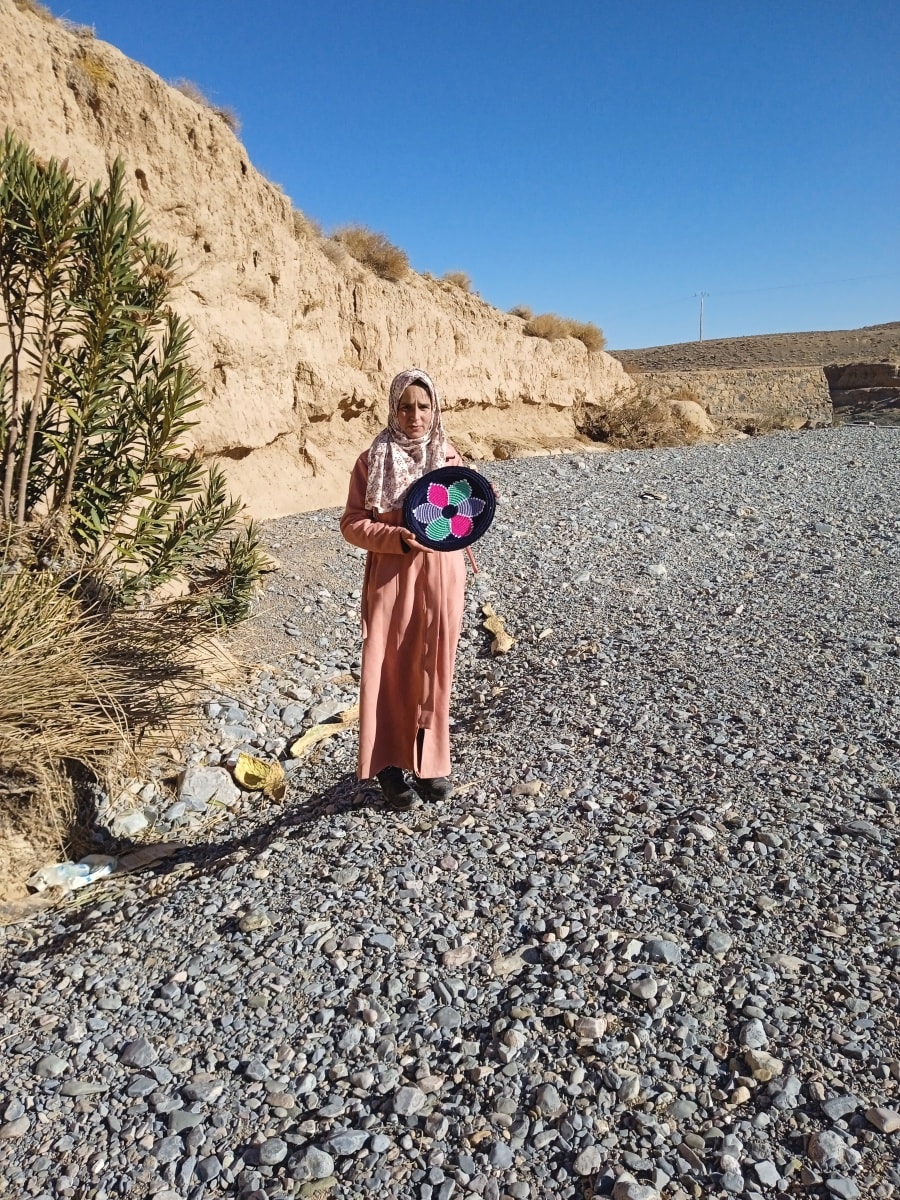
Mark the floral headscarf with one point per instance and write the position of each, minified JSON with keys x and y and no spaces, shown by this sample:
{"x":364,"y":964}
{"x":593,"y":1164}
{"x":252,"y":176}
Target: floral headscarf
{"x":395,"y":460}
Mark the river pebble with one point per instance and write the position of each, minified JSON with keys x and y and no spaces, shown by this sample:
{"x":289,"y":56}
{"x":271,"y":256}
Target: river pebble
{"x":649,"y":948}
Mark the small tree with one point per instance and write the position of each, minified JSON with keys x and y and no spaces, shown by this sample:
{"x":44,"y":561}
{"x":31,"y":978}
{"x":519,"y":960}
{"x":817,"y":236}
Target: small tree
{"x":98,"y":392}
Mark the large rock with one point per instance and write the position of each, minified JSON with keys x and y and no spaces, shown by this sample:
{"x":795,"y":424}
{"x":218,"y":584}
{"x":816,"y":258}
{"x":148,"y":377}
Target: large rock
{"x":295,"y":350}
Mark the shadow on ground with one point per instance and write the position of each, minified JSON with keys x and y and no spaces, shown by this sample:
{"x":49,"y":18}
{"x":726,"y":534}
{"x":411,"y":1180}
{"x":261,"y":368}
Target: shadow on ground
{"x":83,"y":909}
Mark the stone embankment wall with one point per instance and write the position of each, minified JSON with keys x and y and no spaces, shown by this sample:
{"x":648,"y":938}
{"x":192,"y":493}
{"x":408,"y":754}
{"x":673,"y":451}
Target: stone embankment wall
{"x":756,"y":397}
{"x":866,"y":387}
{"x":296,"y":344}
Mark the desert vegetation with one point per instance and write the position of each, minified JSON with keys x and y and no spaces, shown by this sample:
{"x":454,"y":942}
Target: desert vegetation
{"x":304,"y":226}
{"x":552,"y":327}
{"x":224,"y":112}
{"x":78,"y":687}
{"x":94,"y":69}
{"x":374,"y":251}
{"x":101,"y":503}
{"x":36,"y":8}
{"x":639,"y":423}
{"x":459,"y":279}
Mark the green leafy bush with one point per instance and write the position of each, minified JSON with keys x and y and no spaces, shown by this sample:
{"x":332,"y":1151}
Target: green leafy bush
{"x":97,"y":393}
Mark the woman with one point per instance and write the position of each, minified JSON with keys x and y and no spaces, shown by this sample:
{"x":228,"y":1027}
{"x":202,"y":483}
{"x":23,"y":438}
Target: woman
{"x":412,"y":603}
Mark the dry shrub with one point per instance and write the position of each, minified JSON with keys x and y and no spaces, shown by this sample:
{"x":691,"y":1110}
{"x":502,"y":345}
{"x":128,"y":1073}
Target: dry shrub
{"x":55,"y":705}
{"x":94,"y":69}
{"x":188,"y":88}
{"x":37,"y":807}
{"x":521,"y":310}
{"x":335,"y":252}
{"x":77,"y":687}
{"x":304,"y":226}
{"x":374,"y":251}
{"x":640,"y":423}
{"x":758,"y":423}
{"x":73,"y":27}
{"x":590,"y":334}
{"x":230,"y":117}
{"x":226,"y":114}
{"x":459,"y":279}
{"x":547,"y":325}
{"x":36,"y":8}
{"x":552,"y":327}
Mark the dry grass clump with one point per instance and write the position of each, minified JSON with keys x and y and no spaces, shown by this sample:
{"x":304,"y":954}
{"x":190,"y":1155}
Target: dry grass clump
{"x":40,"y":10}
{"x":335,"y":252}
{"x":226,"y":114}
{"x":56,"y":705}
{"x":77,"y":686}
{"x":590,"y":334}
{"x":521,"y":310}
{"x":374,"y":251}
{"x":758,"y":423}
{"x":547,"y":325}
{"x":36,"y":8}
{"x":94,"y":69}
{"x":304,"y":226}
{"x":640,"y":423}
{"x":459,"y":279}
{"x":188,"y":88}
{"x":552,"y":327}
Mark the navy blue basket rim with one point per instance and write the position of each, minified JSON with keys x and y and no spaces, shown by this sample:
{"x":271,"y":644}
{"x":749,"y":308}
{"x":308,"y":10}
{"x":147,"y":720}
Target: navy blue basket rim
{"x":481,"y":488}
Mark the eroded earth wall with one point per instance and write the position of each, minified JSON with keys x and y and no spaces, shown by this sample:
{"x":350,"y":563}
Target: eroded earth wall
{"x":295,"y":350}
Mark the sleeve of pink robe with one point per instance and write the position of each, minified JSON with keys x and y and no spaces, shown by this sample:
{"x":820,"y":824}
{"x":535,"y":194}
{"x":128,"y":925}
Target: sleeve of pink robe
{"x":357,"y":524}
{"x":412,"y":607}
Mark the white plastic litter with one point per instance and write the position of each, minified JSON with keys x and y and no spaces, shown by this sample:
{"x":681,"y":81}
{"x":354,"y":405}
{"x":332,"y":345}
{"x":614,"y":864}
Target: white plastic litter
{"x":72,"y":875}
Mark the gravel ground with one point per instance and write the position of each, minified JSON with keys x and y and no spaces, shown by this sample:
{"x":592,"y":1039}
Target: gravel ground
{"x":649,"y":949}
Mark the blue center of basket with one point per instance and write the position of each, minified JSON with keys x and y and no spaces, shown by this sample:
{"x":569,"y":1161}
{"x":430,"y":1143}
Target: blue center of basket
{"x":449,"y":510}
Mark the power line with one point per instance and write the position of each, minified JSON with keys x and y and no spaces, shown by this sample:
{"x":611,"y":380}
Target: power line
{"x":781,"y":287}
{"x":777,"y":287}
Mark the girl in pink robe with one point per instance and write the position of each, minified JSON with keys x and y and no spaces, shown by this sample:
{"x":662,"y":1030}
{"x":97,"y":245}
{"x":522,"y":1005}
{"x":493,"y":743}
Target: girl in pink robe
{"x":412,"y":603}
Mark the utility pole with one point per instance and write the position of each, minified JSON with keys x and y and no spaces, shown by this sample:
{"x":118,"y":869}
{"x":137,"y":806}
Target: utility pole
{"x":702,"y":296}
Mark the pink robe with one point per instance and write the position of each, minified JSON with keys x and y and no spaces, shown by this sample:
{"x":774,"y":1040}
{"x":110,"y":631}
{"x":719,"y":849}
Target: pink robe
{"x":412,"y":611}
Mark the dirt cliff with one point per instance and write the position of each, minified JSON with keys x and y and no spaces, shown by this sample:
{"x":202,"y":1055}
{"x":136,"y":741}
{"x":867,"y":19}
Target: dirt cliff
{"x":295,"y":350}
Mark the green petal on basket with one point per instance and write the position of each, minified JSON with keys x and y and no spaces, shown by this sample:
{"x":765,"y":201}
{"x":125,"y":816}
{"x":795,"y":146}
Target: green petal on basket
{"x":459,"y":491}
{"x":438,"y":530}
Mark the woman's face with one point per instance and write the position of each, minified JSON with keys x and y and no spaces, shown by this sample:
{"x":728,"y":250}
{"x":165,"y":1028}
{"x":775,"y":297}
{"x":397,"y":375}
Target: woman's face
{"x":414,"y":413}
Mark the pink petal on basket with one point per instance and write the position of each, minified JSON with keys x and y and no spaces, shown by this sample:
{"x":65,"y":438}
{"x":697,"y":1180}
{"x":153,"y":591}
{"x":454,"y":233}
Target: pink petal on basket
{"x":438,"y":495}
{"x":460,"y":526}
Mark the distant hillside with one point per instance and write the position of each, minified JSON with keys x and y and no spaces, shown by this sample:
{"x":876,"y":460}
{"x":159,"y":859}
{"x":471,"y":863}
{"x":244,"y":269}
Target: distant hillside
{"x":873,"y":343}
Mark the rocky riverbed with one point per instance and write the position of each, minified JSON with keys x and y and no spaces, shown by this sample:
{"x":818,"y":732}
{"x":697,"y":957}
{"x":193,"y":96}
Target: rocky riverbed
{"x":649,"y":949}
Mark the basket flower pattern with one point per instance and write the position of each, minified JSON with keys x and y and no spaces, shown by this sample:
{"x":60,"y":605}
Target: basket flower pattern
{"x":448,"y":511}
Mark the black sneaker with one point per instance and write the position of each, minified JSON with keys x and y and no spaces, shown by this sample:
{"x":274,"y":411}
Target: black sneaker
{"x":436,"y":790}
{"x":398,"y":795}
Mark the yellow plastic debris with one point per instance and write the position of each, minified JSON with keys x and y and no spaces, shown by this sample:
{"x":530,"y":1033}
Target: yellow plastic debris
{"x":255,"y":775}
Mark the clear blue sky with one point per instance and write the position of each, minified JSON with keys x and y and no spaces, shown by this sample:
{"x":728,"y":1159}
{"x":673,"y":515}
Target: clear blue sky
{"x":604,"y":159}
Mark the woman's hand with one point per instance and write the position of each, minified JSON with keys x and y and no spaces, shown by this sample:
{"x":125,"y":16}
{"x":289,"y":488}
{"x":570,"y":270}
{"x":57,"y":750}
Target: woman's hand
{"x":409,"y":539}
